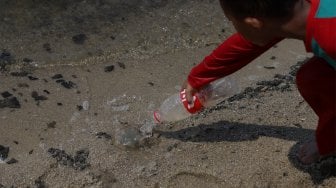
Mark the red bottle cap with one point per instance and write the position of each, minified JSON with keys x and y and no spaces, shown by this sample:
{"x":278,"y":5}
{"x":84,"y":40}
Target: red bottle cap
{"x":193,"y":108}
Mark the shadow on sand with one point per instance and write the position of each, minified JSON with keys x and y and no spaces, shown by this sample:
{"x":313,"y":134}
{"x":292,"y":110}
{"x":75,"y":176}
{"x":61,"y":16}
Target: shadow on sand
{"x":236,"y":132}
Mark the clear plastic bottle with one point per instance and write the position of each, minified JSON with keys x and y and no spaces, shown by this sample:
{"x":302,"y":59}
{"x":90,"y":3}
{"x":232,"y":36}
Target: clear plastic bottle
{"x":176,"y":107}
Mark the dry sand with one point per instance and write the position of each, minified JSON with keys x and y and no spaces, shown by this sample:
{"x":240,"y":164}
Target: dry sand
{"x":83,"y":70}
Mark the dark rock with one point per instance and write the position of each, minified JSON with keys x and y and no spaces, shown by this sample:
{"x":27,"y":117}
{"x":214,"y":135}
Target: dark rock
{"x":6,"y":94}
{"x":103,"y":135}
{"x":112,"y":37}
{"x":61,"y":157}
{"x":19,"y":74}
{"x":79,"y":107}
{"x":273,"y":58}
{"x":78,"y":162}
{"x":47,"y":47}
{"x":298,"y":125}
{"x":121,"y":65}
{"x":51,"y":124}
{"x":68,"y":84}
{"x":151,"y":83}
{"x":23,"y":85}
{"x":270,"y":83}
{"x":31,"y":152}
{"x":109,"y":68}
{"x":57,"y":76}
{"x":46,"y":91}
{"x":39,"y":183}
{"x":27,"y":60}
{"x":79,"y":39}
{"x":16,"y":142}
{"x":32,"y":78}
{"x":3,"y":152}
{"x":80,"y":159}
{"x":5,"y":60}
{"x":11,"y":102}
{"x":38,"y":97}
{"x":12,"y":161}
{"x":59,"y":104}
{"x":60,"y":81}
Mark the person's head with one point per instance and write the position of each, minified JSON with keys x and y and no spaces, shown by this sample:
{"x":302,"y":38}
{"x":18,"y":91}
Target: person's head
{"x":258,"y":20}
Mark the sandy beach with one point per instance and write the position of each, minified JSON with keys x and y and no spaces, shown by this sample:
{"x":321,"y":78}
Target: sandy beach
{"x":74,"y":74}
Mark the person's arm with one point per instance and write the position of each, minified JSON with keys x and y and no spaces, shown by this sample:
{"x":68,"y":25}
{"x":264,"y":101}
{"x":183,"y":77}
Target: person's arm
{"x":233,"y":54}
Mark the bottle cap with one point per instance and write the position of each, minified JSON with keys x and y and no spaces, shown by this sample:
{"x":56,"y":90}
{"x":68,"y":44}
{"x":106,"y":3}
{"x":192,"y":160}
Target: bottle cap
{"x":193,"y":108}
{"x":156,"y":116}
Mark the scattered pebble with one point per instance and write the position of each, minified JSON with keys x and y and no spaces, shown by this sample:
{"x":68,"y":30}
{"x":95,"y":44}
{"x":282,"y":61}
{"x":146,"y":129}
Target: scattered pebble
{"x":3,"y":152}
{"x":59,"y":104}
{"x":46,"y":91}
{"x":27,"y":60}
{"x":47,"y":47}
{"x":122,"y":65}
{"x":57,"y":76}
{"x":23,"y":85}
{"x":19,"y":74}
{"x":38,"y":97}
{"x":109,"y":68}
{"x":12,"y":161}
{"x":5,"y":60}
{"x":269,"y":67}
{"x":32,"y":78}
{"x":6,"y":94}
{"x":51,"y":124}
{"x":68,"y":84}
{"x":10,"y":102}
{"x":78,"y":162}
{"x":79,"y":39}
{"x":39,"y":183}
{"x":103,"y":135}
{"x":79,"y":107}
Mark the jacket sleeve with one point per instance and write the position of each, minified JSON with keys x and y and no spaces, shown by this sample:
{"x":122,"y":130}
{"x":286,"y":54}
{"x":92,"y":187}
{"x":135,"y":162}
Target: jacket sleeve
{"x":230,"y":56}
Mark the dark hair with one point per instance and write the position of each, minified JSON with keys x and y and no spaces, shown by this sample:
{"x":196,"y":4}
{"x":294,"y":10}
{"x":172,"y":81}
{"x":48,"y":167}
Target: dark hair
{"x":271,"y":9}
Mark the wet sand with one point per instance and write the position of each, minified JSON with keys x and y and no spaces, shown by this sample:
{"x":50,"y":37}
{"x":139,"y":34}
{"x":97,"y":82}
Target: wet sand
{"x":73,"y":74}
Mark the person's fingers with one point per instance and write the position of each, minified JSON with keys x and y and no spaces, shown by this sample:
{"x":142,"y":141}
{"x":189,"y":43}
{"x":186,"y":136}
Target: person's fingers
{"x":190,"y":91}
{"x":184,"y":85}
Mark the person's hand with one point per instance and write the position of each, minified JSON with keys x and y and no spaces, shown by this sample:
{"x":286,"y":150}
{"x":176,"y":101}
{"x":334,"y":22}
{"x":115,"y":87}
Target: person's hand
{"x":190,"y":91}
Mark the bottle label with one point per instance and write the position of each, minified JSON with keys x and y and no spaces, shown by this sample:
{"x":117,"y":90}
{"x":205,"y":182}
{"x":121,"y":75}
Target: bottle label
{"x":193,"y":108}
